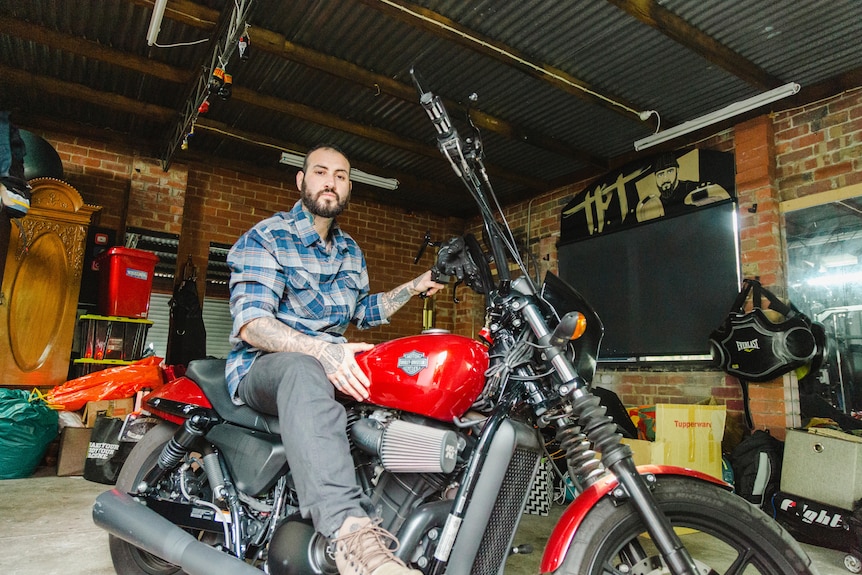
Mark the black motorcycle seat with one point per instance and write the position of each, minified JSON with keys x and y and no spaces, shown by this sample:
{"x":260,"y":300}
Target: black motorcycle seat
{"x":209,"y":375}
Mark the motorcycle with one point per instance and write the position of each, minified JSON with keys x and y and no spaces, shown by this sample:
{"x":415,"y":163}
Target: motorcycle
{"x":447,"y":447}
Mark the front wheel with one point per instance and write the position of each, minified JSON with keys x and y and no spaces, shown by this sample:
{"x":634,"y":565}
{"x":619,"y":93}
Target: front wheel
{"x":725,"y":535}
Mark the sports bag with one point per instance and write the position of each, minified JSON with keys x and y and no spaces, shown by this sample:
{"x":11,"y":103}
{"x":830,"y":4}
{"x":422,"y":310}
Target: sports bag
{"x":756,"y":464}
{"x":755,"y":349}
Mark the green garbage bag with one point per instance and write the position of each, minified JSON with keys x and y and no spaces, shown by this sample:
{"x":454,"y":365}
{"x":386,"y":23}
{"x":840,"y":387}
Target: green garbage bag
{"x":27,"y":426}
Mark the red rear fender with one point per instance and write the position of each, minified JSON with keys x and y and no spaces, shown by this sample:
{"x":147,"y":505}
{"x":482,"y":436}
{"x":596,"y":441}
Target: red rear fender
{"x":173,"y":399}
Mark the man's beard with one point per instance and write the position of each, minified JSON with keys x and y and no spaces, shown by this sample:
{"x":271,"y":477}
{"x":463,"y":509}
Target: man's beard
{"x":321,"y":208}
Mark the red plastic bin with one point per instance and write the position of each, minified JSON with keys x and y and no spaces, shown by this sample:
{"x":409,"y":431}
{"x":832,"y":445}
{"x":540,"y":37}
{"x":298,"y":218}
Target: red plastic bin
{"x":125,"y":282}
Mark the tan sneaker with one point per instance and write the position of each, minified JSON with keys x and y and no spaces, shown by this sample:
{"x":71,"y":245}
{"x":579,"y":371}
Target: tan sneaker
{"x":366,"y":551}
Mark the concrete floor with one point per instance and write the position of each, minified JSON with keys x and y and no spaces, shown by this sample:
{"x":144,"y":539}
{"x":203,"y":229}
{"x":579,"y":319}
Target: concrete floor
{"x":46,"y":529}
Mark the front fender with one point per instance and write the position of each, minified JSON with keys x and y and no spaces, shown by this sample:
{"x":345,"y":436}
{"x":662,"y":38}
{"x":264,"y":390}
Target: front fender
{"x":563,"y":533}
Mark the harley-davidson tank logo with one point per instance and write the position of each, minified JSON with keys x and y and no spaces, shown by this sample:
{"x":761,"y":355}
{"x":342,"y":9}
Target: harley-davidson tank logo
{"x":413,"y":362}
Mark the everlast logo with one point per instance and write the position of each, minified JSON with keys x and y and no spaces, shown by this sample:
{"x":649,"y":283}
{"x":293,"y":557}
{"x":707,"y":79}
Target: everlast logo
{"x":747,"y":345}
{"x":812,"y":515}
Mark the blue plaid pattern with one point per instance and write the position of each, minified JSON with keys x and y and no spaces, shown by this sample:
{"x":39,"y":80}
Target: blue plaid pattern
{"x":280,"y":268}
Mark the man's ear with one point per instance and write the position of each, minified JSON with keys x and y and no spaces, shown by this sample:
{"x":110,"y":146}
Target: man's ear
{"x":300,"y":175}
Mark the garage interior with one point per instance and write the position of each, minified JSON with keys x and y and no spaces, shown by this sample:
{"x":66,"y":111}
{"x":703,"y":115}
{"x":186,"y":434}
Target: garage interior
{"x":174,"y":126}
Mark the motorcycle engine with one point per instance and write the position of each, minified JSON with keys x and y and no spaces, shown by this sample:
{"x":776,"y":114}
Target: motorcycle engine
{"x":409,"y":465}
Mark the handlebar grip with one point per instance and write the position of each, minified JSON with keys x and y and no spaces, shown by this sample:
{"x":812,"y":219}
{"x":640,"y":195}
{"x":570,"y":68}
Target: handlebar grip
{"x":419,"y":254}
{"x":438,"y":114}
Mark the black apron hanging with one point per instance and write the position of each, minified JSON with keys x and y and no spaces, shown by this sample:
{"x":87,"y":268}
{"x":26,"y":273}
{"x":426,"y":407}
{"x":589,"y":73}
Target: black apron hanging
{"x":187,"y":338}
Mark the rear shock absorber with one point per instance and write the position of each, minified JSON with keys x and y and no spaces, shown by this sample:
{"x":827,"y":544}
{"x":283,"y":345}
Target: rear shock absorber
{"x":176,"y":448}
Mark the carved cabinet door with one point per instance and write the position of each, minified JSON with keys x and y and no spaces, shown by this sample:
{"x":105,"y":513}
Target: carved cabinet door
{"x":41,"y":281}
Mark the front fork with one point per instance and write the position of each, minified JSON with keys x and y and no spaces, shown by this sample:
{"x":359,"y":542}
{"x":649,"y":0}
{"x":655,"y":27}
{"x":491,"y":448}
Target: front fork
{"x":601,"y":433}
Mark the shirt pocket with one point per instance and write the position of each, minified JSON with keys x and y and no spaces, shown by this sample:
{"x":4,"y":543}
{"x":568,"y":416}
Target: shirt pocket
{"x":304,"y":296}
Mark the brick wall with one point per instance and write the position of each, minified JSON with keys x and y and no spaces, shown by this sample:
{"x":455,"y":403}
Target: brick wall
{"x":819,"y":147}
{"x":204,"y":204}
{"x":793,"y":154}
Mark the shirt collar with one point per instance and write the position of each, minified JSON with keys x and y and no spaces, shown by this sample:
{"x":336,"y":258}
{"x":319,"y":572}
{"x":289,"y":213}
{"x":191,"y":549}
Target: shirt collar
{"x":308,"y":235}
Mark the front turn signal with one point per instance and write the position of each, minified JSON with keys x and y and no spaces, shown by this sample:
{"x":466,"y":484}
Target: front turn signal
{"x":571,"y":327}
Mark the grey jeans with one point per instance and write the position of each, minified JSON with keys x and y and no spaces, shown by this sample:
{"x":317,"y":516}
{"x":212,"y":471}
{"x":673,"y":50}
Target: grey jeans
{"x":313,"y":427}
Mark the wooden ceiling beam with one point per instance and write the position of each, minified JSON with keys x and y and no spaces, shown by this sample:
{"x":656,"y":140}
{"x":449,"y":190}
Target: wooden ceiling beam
{"x":93,"y":50}
{"x":187,"y":13}
{"x":656,"y":16}
{"x":276,"y":44}
{"x":29,"y":81}
{"x":307,"y":113}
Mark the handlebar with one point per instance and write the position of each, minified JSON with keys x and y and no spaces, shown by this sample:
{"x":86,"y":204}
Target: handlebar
{"x":470,"y":169}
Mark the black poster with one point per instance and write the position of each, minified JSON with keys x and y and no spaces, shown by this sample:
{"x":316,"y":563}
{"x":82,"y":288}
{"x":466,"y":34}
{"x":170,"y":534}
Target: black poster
{"x":647,"y":190}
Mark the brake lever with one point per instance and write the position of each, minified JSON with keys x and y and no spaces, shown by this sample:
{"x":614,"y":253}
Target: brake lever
{"x":455,"y":292}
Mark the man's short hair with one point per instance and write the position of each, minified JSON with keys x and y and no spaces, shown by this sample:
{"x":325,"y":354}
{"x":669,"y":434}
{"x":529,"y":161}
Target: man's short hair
{"x":323,"y":146}
{"x":665,"y":161}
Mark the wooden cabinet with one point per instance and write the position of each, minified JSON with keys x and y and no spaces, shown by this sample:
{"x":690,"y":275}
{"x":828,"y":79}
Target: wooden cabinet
{"x":41,"y":281}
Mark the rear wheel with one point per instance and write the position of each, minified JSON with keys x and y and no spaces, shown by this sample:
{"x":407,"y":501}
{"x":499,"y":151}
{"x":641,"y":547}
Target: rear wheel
{"x":128,"y":559}
{"x":724,"y":534}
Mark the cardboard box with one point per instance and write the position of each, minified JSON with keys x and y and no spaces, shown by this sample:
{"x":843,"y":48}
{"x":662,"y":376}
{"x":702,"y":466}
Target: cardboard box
{"x":74,"y":442}
{"x":690,"y":436}
{"x":823,"y":465}
{"x":119,"y":408}
{"x":641,"y":450}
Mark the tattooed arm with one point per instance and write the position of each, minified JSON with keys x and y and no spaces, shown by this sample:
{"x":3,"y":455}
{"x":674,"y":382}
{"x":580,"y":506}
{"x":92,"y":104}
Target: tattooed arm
{"x":270,"y":335}
{"x":393,"y":300}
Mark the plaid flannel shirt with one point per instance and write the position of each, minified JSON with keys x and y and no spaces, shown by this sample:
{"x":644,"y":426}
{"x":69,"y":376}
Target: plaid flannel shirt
{"x":280,"y":268}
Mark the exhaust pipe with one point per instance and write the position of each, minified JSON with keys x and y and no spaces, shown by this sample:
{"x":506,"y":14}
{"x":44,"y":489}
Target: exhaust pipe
{"x":120,"y":515}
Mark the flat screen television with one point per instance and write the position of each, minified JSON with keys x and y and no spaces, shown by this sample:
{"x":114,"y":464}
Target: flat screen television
{"x":660,"y":287}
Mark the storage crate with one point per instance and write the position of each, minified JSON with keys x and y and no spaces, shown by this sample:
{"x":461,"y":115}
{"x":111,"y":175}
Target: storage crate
{"x":825,"y":466}
{"x":125,"y":282}
{"x":103,"y":338}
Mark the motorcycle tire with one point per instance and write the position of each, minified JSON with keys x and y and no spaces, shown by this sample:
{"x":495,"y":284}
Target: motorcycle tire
{"x":128,"y":559}
{"x":725,"y":535}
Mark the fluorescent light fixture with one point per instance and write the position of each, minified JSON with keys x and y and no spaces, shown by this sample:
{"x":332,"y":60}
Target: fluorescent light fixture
{"x":835,"y":279}
{"x":717,"y":116}
{"x":156,"y":21}
{"x":356,"y":175}
{"x":839,"y":260}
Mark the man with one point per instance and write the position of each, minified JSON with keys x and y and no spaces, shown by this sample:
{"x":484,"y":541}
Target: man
{"x":679,"y":192}
{"x":673,"y":190}
{"x":297,"y":280}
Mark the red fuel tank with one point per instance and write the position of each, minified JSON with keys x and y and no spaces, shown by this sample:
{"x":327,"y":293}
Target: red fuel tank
{"x":437,"y":375}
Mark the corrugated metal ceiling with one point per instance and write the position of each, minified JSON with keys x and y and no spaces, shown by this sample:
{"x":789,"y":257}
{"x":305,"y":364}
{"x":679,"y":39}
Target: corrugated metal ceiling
{"x":337,"y":70}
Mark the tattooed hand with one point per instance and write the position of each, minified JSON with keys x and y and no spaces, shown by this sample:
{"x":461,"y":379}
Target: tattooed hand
{"x":339,"y":362}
